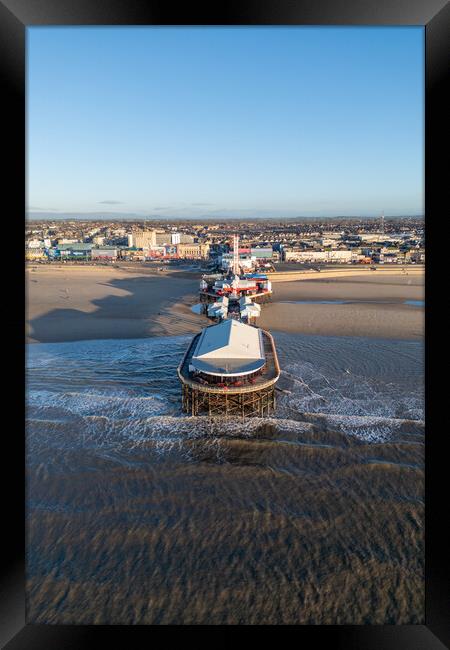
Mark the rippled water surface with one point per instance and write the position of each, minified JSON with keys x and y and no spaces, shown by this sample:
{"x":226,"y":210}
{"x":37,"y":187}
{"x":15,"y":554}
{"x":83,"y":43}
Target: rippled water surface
{"x":138,"y":514}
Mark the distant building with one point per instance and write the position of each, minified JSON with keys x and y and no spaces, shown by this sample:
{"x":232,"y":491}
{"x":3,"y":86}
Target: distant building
{"x":193,"y":251}
{"x":186,"y":239}
{"x":418,"y":256}
{"x":35,"y":243}
{"x":132,"y":253}
{"x":319,"y":256}
{"x":35,"y":254}
{"x":104,"y":253}
{"x":247,"y":262}
{"x":175,"y":238}
{"x":341,"y":256}
{"x":162,"y":238}
{"x":155,"y":252}
{"x":144,"y":238}
{"x":390,"y":258}
{"x":170,"y":250}
{"x":262,"y":253}
{"x":296,"y":256}
{"x":75,"y":251}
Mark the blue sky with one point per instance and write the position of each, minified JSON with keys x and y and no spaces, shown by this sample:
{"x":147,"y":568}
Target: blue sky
{"x":290,"y":121}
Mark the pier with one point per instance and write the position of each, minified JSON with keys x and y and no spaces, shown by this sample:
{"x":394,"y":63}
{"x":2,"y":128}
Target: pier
{"x":223,"y":394}
{"x":231,"y":368}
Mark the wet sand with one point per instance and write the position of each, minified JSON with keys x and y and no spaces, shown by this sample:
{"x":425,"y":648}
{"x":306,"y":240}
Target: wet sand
{"x":84,"y":303}
{"x":374,"y":306}
{"x":75,"y":303}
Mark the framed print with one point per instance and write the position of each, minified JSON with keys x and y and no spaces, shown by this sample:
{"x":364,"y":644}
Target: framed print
{"x":231,"y":416}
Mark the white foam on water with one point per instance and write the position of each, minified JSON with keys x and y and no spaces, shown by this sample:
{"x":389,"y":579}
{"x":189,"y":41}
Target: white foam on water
{"x":346,"y":394}
{"x":88,"y":403}
{"x":96,"y":387}
{"x":368,"y":428}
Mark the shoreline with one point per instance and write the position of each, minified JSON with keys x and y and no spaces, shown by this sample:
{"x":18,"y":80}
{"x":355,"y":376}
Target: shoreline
{"x":344,"y":273}
{"x":68,"y":304}
{"x":273,"y":332}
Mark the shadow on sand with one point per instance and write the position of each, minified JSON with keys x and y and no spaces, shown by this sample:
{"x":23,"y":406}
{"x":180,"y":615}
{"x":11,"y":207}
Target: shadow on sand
{"x":153,"y":306}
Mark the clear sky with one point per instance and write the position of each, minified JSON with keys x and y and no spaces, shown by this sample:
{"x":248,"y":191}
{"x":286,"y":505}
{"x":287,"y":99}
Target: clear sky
{"x":276,"y":121}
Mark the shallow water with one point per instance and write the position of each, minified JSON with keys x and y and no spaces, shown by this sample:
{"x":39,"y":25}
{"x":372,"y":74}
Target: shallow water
{"x":414,"y":303}
{"x":138,"y":514}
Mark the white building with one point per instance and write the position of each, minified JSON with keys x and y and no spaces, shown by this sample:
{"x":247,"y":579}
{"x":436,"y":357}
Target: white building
{"x":319,"y":256}
{"x":246,"y":261}
{"x":104,"y":253}
{"x":228,"y":349}
{"x":218,"y":309}
{"x":35,"y":243}
{"x":340,"y":256}
{"x":249,"y":309}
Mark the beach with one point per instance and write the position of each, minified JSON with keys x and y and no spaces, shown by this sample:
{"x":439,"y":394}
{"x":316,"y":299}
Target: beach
{"x":381,"y":304}
{"x":99,"y":302}
{"x":93,"y":302}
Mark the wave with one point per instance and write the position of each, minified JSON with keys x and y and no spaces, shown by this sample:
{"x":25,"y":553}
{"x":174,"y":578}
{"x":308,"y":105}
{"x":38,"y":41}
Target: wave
{"x":105,"y":393}
{"x":116,"y":404}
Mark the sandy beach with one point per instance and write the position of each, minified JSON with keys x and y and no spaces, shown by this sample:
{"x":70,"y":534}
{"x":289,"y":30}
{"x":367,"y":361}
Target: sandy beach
{"x":83,"y":303}
{"x":74,"y":303}
{"x":373,"y":304}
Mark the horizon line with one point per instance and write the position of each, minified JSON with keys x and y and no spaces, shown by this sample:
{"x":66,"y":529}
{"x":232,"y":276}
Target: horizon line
{"x":117,"y":216}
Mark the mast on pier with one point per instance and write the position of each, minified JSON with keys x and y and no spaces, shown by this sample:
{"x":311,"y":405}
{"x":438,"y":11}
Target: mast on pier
{"x":236,"y":255}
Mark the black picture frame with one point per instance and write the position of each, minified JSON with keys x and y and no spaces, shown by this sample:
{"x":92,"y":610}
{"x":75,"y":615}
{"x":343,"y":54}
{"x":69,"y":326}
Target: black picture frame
{"x":15,"y":16}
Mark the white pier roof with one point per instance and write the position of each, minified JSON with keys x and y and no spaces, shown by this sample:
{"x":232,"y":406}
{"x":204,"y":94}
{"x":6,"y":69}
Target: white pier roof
{"x":230,"y":348}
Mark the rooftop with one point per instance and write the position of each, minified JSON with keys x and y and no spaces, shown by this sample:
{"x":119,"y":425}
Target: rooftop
{"x":229,"y":348}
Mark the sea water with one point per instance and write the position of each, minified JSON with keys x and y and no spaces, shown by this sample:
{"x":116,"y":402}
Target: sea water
{"x":138,"y":514}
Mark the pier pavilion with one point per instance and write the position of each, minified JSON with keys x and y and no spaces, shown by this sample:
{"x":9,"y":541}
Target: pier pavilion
{"x":230,"y":369}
